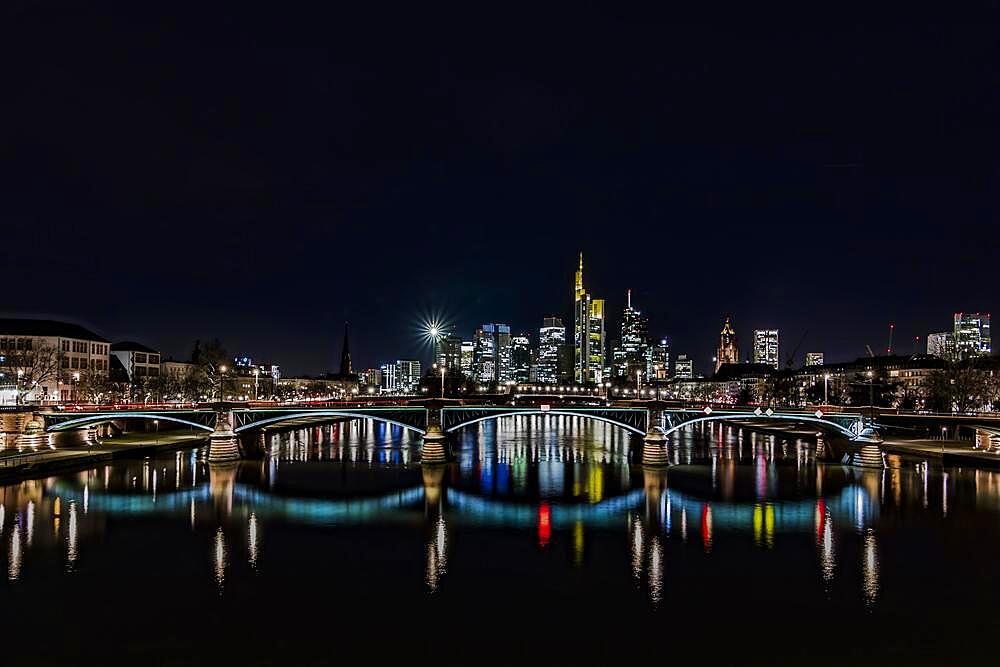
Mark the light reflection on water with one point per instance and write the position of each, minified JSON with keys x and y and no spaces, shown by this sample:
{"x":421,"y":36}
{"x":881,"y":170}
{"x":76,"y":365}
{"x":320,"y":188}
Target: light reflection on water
{"x":571,"y":491}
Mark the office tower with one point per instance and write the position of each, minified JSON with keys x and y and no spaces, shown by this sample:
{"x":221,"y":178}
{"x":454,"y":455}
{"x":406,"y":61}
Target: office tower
{"x":551,"y":336}
{"x":491,"y":360}
{"x":390,"y":377}
{"x":941,"y":344}
{"x":683,"y":368}
{"x":346,"y":369}
{"x":468,"y":349}
{"x":634,"y":341}
{"x":658,"y":360}
{"x":448,"y":351}
{"x":972,"y":335}
{"x":729,"y":351}
{"x":814,"y":358}
{"x":588,"y":333}
{"x":520,"y":351}
{"x":409,"y":374}
{"x":765,"y":347}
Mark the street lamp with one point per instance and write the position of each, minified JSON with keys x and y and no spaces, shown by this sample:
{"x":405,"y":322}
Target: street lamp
{"x":638,"y":375}
{"x":222,"y":372}
{"x":442,"y":380}
{"x":17,"y":387}
{"x":826,"y":382}
{"x":156,"y":423}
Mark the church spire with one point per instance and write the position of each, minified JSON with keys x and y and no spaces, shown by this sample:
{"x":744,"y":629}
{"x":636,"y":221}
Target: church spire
{"x":345,"y":356}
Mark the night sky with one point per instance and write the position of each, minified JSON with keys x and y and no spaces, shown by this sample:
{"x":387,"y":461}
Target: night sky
{"x":262,"y":177}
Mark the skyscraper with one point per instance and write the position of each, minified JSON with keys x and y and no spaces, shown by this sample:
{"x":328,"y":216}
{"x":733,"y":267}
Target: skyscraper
{"x":972,"y":335}
{"x":468,"y":350}
{"x":588,"y":333}
{"x":941,"y":344}
{"x":520,"y":352}
{"x":765,"y":347}
{"x":658,"y":360}
{"x":814,"y":358}
{"x":635,"y":341}
{"x":409,"y":374}
{"x":684,"y":368}
{"x":729,"y":351}
{"x":390,"y":377}
{"x":492,"y":354}
{"x":448,"y":351}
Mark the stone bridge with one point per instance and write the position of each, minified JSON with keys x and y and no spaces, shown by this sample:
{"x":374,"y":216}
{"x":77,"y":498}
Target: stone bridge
{"x":235,"y":429}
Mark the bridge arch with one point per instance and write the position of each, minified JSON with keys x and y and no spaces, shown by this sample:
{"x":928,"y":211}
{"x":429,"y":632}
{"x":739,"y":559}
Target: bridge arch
{"x":314,"y":414}
{"x":560,"y":413}
{"x":841,"y":430}
{"x":93,"y":420}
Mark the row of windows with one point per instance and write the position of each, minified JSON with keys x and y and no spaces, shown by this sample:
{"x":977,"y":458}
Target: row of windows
{"x":14,"y":344}
{"x":77,"y":362}
{"x":142,"y":371}
{"x":143,"y":358}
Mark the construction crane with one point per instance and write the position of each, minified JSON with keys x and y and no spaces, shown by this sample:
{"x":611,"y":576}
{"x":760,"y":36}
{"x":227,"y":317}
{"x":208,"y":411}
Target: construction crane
{"x":791,"y":357}
{"x":892,"y":329}
{"x":870,"y":353}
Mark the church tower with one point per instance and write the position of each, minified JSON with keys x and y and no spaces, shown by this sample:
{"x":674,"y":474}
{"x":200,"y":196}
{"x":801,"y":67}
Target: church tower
{"x":729,"y":352}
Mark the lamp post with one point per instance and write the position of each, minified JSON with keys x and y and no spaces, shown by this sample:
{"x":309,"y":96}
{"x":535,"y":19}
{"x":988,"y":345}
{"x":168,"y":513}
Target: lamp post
{"x":222,"y":372}
{"x":17,"y":387}
{"x":826,"y":383}
{"x":944,"y":434}
{"x":871,"y":394}
{"x":76,"y":381}
{"x":256,"y":379}
{"x":442,"y":380}
{"x":156,"y":423}
{"x":638,"y":382}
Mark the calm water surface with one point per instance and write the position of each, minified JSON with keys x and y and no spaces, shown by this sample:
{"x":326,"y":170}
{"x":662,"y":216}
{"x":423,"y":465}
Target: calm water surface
{"x":543,"y":543}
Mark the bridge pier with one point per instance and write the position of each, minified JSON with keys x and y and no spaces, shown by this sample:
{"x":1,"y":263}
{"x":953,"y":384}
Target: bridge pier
{"x":223,"y":445}
{"x":654,"y":443}
{"x":435,"y":447}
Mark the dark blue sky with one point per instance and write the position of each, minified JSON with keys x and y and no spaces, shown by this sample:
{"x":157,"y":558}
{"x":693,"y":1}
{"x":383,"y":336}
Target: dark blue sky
{"x":262,"y":177}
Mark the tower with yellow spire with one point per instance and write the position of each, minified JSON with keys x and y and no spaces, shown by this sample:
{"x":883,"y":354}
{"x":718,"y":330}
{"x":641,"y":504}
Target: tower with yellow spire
{"x":589,"y":333}
{"x":729,"y":352}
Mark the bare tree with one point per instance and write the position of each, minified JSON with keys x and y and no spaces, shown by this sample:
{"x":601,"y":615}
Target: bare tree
{"x":30,"y":367}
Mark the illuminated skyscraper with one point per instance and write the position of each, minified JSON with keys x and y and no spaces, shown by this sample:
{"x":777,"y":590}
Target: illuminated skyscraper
{"x":468,"y":349}
{"x":658,"y":360}
{"x":390,"y":377}
{"x":814,"y":358}
{"x":634,"y":342}
{"x":551,"y":337}
{"x":729,"y":351}
{"x":409,"y":374}
{"x":448,"y":351}
{"x":520,"y":354}
{"x":765,"y":347}
{"x":588,"y":333}
{"x":941,"y":344}
{"x":684,"y":368}
{"x":972,"y":335}
{"x":492,"y":354}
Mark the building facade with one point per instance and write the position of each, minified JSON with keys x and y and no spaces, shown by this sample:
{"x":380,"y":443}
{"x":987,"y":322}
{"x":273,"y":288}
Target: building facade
{"x":551,"y":337}
{"x":44,"y":360}
{"x":765,"y":347}
{"x":683,"y":367}
{"x":972,"y":335}
{"x":409,"y":375}
{"x":814,"y":359}
{"x":634,"y":342}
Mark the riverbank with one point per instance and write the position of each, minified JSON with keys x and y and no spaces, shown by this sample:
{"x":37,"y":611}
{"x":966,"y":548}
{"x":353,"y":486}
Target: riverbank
{"x":947,"y":452}
{"x":15,"y":466}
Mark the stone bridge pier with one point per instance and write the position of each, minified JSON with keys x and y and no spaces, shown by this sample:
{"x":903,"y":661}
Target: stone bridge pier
{"x":654,"y":443}
{"x":435,"y":448}
{"x":223,"y":444}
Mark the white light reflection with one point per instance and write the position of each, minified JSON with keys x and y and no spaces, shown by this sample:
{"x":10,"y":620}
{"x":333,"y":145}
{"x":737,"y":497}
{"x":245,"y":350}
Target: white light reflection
{"x":71,"y":538}
{"x":655,"y":571}
{"x":192,"y":514}
{"x":869,"y":568}
{"x":827,"y":555}
{"x":31,"y":523}
{"x":219,"y":559}
{"x":14,"y":563}
{"x":254,"y":535}
{"x":437,"y":557}
{"x":637,"y":544}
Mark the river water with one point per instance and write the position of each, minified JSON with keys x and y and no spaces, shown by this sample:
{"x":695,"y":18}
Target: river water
{"x":544,"y":542}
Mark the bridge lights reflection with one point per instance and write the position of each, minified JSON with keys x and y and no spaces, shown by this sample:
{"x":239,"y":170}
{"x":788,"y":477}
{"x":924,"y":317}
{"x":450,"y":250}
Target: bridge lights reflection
{"x":253,"y":535}
{"x":14,"y":561}
{"x":869,"y":568}
{"x":437,"y":556}
{"x":219,"y":559}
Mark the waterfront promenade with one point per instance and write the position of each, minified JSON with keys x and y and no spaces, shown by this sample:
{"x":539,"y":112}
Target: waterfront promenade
{"x":16,"y":465}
